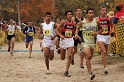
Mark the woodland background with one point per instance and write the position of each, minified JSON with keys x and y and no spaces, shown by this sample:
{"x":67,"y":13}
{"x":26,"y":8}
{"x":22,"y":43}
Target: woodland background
{"x":34,"y":10}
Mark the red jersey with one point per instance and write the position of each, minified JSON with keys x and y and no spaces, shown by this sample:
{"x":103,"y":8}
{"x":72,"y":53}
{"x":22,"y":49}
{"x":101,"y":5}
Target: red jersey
{"x":68,"y":29}
{"x":105,"y":23}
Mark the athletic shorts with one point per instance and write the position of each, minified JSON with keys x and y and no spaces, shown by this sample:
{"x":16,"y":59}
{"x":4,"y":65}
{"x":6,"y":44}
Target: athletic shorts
{"x":48,"y":43}
{"x":103,"y":38}
{"x":28,"y":38}
{"x":66,"y":43}
{"x":91,"y":46}
{"x":9,"y":37}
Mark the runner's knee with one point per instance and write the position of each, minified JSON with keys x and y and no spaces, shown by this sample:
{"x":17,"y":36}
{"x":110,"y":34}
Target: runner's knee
{"x":51,"y":58}
{"x":88,"y":57}
{"x":104,"y":51}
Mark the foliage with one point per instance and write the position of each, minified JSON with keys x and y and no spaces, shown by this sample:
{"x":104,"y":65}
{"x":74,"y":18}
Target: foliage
{"x":34,"y":10}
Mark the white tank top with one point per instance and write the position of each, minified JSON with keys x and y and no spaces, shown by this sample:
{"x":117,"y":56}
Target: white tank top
{"x":48,"y":30}
{"x":11,"y":29}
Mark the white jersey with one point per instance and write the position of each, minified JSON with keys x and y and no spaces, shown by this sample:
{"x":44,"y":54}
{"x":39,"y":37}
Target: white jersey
{"x":11,"y":29}
{"x":48,"y":30}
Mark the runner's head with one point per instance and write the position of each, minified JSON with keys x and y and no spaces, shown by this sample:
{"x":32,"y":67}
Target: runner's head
{"x":90,"y":13}
{"x":118,"y":8}
{"x":68,"y":14}
{"x":11,"y":21}
{"x":78,"y":11}
{"x":58,"y":20}
{"x":103,"y":10}
{"x":48,"y":17}
{"x":30,"y":24}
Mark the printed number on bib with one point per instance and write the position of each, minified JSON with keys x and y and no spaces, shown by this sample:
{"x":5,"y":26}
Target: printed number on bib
{"x":88,"y":34}
{"x":30,"y":33}
{"x":105,"y":30}
{"x":68,"y":33}
{"x":46,"y":32}
{"x":11,"y":32}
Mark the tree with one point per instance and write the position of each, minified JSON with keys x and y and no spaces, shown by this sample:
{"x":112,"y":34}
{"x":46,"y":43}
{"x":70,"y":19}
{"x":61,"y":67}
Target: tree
{"x":34,"y":10}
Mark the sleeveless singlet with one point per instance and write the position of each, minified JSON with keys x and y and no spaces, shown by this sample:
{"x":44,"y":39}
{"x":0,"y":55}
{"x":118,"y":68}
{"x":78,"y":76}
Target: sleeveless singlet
{"x":88,"y":31}
{"x":105,"y":23}
{"x":68,"y":29}
{"x":11,"y":30}
{"x":48,"y":30}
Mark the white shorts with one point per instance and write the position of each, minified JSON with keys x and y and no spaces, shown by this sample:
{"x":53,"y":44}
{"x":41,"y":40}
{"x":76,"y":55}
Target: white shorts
{"x":66,"y":43}
{"x":103,"y":38}
{"x":48,"y":43}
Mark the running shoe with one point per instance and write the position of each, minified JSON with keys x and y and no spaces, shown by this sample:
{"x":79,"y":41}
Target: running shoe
{"x":92,"y":76}
{"x":106,"y":71}
{"x":9,"y":49}
{"x":58,"y":50}
{"x":48,"y":72}
{"x":81,"y":65}
{"x":67,"y":74}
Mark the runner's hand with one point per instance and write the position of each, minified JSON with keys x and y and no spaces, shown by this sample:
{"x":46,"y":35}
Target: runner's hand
{"x":52,"y":37}
{"x":95,"y":34}
{"x":62,"y":37}
{"x":77,"y":37}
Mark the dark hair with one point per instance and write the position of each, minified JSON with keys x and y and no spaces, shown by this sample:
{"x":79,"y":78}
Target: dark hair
{"x":67,"y":11}
{"x":77,"y":8}
{"x":89,"y":9}
{"x":118,"y":8}
{"x":48,"y":13}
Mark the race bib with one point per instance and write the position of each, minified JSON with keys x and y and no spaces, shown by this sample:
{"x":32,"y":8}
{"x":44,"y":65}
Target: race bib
{"x":10,"y":32}
{"x":47,"y":32}
{"x":105,"y":30}
{"x":30,"y":33}
{"x":88,"y":34}
{"x":68,"y":33}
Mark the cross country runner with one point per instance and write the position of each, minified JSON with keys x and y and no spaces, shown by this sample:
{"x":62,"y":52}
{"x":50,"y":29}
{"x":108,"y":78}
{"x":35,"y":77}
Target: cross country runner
{"x":78,"y":18}
{"x":103,"y":38}
{"x":29,"y":31}
{"x":11,"y":30}
{"x":66,"y":42}
{"x":89,"y":27}
{"x":47,"y":33}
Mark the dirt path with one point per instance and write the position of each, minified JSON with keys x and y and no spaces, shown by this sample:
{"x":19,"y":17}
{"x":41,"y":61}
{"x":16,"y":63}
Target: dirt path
{"x":20,"y":68}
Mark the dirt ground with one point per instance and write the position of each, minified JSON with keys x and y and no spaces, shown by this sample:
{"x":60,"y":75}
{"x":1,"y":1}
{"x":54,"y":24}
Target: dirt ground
{"x":20,"y":68}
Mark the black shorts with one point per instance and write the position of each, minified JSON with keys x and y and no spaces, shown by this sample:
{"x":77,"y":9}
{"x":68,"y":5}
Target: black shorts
{"x":58,"y":37}
{"x":10,"y":36}
{"x":76,"y":41}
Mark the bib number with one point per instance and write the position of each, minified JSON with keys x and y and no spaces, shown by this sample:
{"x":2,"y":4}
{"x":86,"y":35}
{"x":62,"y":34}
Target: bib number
{"x":105,"y":30}
{"x":47,"y":32}
{"x":68,"y":33}
{"x":88,"y":34}
{"x":11,"y":32}
{"x":30,"y":33}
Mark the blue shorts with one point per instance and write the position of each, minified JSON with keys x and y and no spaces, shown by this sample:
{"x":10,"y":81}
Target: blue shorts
{"x":28,"y":38}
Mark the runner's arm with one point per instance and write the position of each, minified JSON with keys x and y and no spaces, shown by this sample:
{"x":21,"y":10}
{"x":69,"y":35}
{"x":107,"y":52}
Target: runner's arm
{"x":54,"y":36}
{"x":25,"y":30}
{"x":100,"y":28}
{"x":111,"y":25}
{"x":41,"y":31}
{"x":34,"y":30}
{"x":78,"y":26}
{"x":58,"y":28}
{"x":15,"y":28}
{"x":6,"y":26}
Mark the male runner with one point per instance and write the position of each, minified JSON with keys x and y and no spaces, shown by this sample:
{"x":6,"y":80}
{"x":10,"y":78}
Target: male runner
{"x":66,"y":39}
{"x":89,"y":27}
{"x":47,"y":33}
